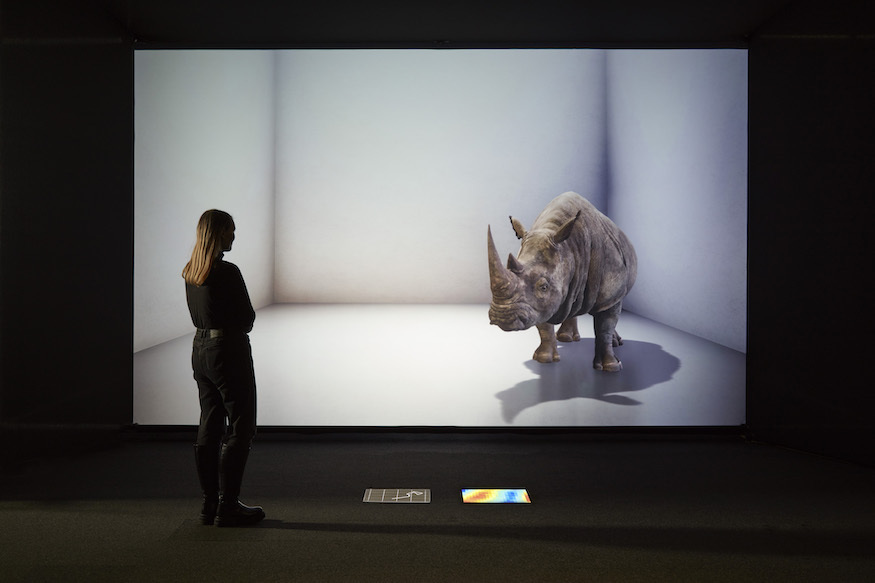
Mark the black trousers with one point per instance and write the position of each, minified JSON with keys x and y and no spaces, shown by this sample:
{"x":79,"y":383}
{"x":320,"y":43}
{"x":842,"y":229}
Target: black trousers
{"x":225,"y":376}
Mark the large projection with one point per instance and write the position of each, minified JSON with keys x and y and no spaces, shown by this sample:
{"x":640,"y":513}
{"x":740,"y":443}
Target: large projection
{"x":362,"y":183}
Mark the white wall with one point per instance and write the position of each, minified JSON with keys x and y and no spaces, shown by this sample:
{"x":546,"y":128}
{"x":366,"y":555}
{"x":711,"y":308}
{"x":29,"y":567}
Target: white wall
{"x":203,"y":139}
{"x":678,"y":167}
{"x":370,"y":176}
{"x":390,"y":165}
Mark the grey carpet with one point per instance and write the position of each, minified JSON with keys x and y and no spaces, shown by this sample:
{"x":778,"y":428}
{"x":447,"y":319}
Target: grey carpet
{"x":604,"y":509}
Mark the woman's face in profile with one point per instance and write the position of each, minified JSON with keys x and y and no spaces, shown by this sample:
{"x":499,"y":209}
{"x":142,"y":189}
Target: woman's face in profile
{"x":228,"y":239}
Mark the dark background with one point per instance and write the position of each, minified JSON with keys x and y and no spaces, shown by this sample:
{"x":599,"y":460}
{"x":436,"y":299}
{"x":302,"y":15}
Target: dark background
{"x":66,"y":185}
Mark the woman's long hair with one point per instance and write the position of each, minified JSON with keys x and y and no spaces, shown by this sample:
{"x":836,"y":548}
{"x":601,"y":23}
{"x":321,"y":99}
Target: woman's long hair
{"x":211,"y":227}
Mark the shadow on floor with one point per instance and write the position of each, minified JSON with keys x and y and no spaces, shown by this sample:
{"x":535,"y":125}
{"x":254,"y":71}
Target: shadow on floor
{"x":644,"y":365}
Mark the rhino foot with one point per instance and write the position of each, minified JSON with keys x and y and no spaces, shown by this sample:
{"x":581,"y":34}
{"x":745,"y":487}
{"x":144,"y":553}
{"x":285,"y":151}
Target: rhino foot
{"x":547,"y":351}
{"x":546,"y":356}
{"x":616,"y":341}
{"x":615,"y":366}
{"x":568,"y":331}
{"x":563,"y":336}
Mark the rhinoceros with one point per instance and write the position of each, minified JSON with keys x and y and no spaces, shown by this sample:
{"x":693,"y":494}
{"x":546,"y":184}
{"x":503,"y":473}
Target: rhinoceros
{"x":574,"y":260}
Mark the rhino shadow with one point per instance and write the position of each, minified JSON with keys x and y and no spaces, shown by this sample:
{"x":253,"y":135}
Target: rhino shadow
{"x":644,"y":365}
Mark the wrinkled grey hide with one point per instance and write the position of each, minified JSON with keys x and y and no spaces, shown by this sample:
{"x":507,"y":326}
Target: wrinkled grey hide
{"x":572,"y":261}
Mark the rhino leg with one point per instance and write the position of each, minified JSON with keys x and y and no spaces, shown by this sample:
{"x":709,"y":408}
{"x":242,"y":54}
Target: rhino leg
{"x":568,"y":331}
{"x":606,"y":338}
{"x":547,"y":351}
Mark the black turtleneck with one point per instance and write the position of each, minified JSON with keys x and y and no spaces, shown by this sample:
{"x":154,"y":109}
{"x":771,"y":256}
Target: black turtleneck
{"x":222,"y":302}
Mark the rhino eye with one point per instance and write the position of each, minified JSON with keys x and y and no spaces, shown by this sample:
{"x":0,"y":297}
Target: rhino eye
{"x":542,"y":286}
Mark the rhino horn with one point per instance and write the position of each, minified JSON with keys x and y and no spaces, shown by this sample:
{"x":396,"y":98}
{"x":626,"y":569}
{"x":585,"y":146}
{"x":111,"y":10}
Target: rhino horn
{"x":501,"y":281}
{"x":513,"y":264}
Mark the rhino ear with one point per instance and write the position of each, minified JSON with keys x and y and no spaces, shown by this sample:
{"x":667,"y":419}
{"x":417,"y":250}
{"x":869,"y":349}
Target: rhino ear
{"x":565,"y":230}
{"x":518,"y":228}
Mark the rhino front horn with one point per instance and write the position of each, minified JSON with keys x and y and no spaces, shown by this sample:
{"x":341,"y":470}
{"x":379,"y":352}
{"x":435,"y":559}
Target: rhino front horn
{"x":500,"y":279}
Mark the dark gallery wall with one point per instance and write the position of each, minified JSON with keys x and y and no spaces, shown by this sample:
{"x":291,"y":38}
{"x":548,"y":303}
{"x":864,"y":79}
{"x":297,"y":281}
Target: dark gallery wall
{"x":812,"y":181}
{"x":66,"y":223}
{"x":66,"y":216}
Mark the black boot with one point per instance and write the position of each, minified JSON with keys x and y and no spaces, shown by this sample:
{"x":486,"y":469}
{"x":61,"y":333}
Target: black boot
{"x":207,"y":461}
{"x":231,"y":512}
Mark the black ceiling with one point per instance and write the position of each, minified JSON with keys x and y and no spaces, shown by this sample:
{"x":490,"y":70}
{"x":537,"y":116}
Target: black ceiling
{"x":432,"y":23}
{"x":443,"y":22}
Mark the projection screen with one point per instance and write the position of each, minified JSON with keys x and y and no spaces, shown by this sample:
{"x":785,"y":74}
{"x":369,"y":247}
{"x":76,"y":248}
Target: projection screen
{"x":362,"y":183}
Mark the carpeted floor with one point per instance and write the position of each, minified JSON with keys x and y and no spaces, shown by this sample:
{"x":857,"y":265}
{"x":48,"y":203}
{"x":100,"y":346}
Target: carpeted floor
{"x":604,"y":508}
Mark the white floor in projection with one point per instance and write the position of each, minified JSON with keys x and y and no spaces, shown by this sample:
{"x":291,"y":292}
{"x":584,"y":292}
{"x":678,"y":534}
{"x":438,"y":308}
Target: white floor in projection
{"x":444,"y":365}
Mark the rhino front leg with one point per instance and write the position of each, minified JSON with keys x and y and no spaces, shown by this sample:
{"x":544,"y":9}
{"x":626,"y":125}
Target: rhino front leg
{"x":568,"y":331}
{"x":547,"y":351}
{"x":606,"y":338}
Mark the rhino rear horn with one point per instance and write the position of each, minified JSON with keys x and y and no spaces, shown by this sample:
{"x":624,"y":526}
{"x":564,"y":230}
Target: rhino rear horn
{"x":513,"y":265}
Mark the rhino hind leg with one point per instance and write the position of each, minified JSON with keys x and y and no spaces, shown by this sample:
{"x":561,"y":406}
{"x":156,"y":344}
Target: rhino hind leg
{"x":568,"y":331}
{"x":547,"y":351}
{"x":606,"y":338}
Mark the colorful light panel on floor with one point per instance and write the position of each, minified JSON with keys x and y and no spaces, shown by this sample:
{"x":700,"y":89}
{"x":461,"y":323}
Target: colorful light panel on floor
{"x":495,"y":496}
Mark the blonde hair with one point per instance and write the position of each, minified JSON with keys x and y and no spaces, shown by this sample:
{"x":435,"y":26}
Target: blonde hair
{"x":211,"y":227}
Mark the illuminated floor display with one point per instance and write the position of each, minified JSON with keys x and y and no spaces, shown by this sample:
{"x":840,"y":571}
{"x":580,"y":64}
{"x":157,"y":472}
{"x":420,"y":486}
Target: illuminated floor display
{"x":495,"y":496}
{"x":397,"y":495}
{"x":444,"y":365}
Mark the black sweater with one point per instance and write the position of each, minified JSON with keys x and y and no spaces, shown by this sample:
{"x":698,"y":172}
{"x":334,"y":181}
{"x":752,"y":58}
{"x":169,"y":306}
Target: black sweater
{"x":222,"y":302}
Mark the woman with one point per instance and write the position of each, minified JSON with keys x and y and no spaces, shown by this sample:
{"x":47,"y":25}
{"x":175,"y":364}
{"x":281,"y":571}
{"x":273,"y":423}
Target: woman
{"x":222,"y":362}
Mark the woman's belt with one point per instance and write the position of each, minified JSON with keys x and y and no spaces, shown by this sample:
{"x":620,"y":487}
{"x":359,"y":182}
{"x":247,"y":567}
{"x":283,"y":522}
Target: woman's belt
{"x":210,"y":332}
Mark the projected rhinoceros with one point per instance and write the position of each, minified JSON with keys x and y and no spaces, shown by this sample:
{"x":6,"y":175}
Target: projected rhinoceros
{"x":573,"y":261}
